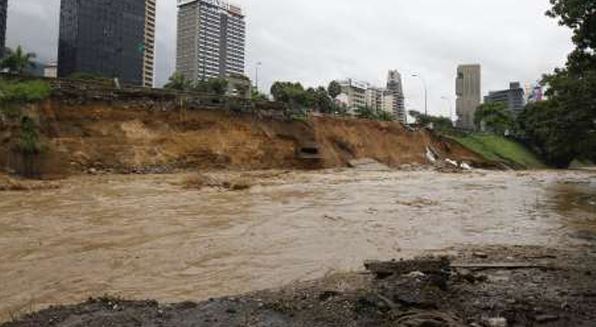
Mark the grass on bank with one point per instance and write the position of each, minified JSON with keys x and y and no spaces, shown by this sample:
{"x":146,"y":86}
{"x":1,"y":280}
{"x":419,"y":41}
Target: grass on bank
{"x":23,"y":91}
{"x":501,"y":149}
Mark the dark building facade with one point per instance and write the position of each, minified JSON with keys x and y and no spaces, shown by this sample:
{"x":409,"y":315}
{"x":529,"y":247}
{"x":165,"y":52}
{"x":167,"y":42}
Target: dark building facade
{"x":111,"y":38}
{"x":3,"y":15}
{"x":513,"y":97}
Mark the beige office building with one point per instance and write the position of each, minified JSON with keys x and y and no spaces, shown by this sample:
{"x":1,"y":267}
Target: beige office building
{"x":468,"y":91}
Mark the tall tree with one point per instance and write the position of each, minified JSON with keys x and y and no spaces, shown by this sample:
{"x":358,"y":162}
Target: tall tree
{"x":18,"y":61}
{"x":564,"y":127}
{"x":494,"y":117}
{"x":292,"y":94}
{"x":334,"y":89}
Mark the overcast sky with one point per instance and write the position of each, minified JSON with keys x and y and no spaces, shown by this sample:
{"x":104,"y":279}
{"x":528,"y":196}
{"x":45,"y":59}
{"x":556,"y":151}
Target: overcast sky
{"x":315,"y":41}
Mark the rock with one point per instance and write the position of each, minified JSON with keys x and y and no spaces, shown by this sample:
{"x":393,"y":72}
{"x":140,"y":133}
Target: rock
{"x":327,"y":295}
{"x":496,"y":322}
{"x":546,"y":318}
{"x":480,"y":255}
{"x":452,"y":162}
{"x":416,"y":274}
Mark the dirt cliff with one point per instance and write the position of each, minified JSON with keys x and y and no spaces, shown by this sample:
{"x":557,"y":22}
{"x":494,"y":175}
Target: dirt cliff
{"x":121,"y":137}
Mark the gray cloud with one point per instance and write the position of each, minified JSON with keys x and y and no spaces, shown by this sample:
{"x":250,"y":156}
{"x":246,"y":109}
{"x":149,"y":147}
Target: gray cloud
{"x":315,"y":41}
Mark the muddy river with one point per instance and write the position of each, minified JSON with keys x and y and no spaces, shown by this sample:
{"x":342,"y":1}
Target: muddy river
{"x":148,"y":237}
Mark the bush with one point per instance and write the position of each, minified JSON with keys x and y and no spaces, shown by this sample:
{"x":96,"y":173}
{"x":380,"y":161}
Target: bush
{"x":29,"y":138}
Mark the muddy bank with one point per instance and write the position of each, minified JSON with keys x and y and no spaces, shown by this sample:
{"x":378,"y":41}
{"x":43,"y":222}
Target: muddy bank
{"x":128,"y":137}
{"x":493,"y":286}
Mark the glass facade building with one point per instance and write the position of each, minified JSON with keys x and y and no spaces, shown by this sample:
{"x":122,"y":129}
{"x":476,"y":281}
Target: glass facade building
{"x":3,"y":13}
{"x":111,"y":38}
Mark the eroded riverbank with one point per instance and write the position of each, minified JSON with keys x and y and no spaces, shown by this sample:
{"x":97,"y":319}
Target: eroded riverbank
{"x":148,"y":237}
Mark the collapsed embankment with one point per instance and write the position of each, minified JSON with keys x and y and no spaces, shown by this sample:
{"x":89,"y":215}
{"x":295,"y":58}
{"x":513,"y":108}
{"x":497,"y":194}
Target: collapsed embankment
{"x":134,"y":136}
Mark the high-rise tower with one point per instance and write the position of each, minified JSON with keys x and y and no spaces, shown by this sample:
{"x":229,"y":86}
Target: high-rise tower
{"x":211,"y":39}
{"x":467,"y":89}
{"x":394,"y":95}
{"x":3,"y":13}
{"x":111,"y":38}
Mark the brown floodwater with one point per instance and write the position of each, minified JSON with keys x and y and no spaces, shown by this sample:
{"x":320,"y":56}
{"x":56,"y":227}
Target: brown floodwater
{"x":147,"y":237}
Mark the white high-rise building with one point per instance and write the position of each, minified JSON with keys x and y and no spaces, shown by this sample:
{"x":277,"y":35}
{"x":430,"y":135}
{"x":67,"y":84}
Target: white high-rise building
{"x":374,"y":98}
{"x":353,"y":94}
{"x":211,"y":39}
{"x":394,"y":96}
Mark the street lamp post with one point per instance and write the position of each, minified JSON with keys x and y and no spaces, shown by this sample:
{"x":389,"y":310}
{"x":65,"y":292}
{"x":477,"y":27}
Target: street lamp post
{"x":257,"y":76}
{"x":425,"y":93}
{"x":450,"y":108}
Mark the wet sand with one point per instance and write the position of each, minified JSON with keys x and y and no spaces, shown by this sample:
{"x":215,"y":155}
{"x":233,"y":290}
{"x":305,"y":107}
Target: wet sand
{"x":148,"y":237}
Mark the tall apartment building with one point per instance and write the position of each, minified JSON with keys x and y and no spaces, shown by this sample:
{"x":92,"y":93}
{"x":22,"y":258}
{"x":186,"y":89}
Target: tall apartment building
{"x":353,"y":94}
{"x":3,"y":15}
{"x":111,"y":38}
{"x":467,"y":89}
{"x":394,"y":96}
{"x":374,"y":98}
{"x":513,"y":97}
{"x":211,"y":39}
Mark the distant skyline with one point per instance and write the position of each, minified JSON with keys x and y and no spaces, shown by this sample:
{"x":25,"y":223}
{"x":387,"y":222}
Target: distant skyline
{"x":315,"y":42}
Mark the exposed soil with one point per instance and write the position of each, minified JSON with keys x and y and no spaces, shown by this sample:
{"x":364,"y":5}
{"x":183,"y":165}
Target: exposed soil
{"x":122,"y":137}
{"x":494,"y":286}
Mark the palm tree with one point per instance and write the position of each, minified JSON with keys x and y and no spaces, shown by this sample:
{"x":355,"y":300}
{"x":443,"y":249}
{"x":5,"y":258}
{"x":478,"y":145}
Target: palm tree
{"x":178,"y":82}
{"x":17,"y":61}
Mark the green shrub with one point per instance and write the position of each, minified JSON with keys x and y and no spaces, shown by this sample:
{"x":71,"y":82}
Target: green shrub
{"x":23,"y":92}
{"x":29,"y":138}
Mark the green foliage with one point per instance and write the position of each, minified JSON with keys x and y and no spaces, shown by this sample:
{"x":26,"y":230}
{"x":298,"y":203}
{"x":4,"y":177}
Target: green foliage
{"x":217,"y":86}
{"x":439,"y":123}
{"x":500,"y":149}
{"x":494,"y":117}
{"x":28,"y":138}
{"x":290,"y":93}
{"x":23,"y":92}
{"x":384,"y":116}
{"x":83,"y":76}
{"x":297,"y":98}
{"x":258,"y":96}
{"x":365,"y":112}
{"x":320,"y":100}
{"x":334,"y":89}
{"x":369,"y":113}
{"x":17,"y":61}
{"x":564,"y":127}
{"x":580,"y":17}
